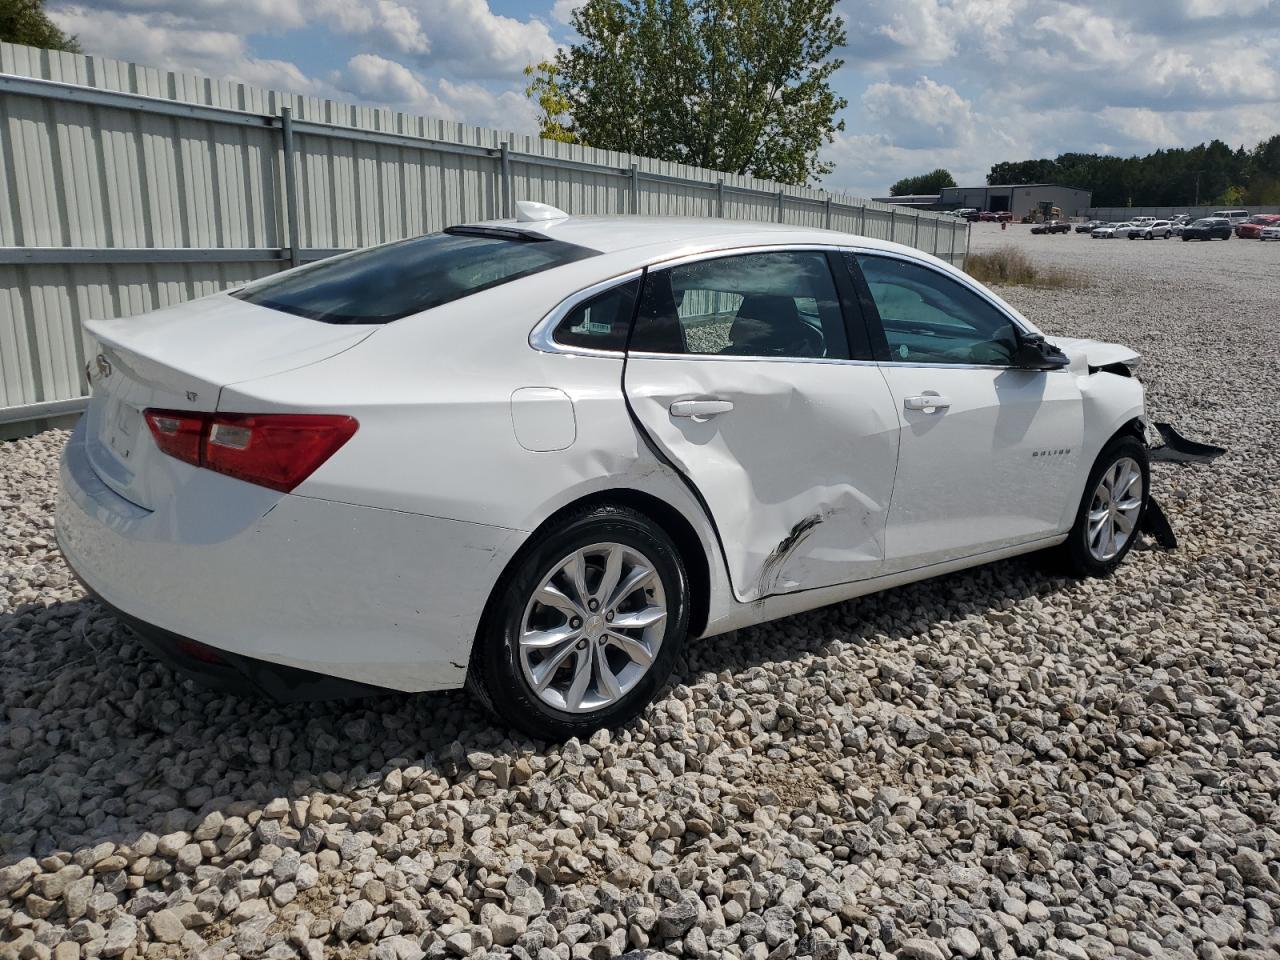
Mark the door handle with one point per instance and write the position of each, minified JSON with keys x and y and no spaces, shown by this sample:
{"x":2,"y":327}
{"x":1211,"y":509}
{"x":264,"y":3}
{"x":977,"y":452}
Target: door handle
{"x":929,"y":403}
{"x":700,"y":410}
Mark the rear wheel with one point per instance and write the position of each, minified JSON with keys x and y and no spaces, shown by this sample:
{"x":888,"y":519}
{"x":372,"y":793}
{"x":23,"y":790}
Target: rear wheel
{"x":1110,"y":513}
{"x":586,"y":629}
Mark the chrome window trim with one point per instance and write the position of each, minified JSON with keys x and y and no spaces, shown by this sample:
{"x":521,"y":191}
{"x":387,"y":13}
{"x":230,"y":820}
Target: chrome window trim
{"x":728,"y":357}
{"x":542,"y":336}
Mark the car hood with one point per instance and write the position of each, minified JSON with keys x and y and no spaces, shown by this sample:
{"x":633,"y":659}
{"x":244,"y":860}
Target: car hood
{"x":1092,"y":354}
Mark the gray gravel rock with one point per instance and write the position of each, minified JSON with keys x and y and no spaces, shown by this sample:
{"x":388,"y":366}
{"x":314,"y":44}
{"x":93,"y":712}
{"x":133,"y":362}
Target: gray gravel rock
{"x":1000,"y":762}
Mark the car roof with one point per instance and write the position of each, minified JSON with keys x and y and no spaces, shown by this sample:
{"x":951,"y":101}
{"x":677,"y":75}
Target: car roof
{"x":617,"y":234}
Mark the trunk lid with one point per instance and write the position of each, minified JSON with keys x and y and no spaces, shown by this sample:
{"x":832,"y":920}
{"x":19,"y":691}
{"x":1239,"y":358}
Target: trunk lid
{"x":180,"y":358}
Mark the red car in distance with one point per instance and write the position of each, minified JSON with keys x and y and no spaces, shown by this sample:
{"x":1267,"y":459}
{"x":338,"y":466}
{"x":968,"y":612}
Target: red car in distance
{"x":1252,"y":228}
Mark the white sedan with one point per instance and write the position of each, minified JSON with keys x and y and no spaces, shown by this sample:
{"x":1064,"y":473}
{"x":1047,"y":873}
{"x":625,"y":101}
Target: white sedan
{"x":1270,"y":233}
{"x":540,"y":456}
{"x":1110,"y":230}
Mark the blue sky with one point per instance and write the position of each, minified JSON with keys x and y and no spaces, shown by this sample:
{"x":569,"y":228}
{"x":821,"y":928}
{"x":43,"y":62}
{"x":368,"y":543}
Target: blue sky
{"x":954,"y":83}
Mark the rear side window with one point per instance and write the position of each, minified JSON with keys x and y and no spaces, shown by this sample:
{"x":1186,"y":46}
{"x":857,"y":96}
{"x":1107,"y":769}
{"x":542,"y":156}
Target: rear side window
{"x":777,"y":304}
{"x":600,"y":323}
{"x":395,"y":280}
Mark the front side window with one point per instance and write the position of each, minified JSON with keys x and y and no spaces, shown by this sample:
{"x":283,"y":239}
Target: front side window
{"x":929,"y":318}
{"x":385,"y":283}
{"x":776,"y":304}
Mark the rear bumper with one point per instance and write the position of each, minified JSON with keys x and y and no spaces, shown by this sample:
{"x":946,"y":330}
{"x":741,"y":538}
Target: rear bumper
{"x":233,"y":673}
{"x":286,"y":589}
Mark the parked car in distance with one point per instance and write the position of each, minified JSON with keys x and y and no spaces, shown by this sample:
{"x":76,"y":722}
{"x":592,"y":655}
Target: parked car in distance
{"x":1251,"y":229}
{"x":1270,"y":233}
{"x":1109,"y":230}
{"x":987,"y":216}
{"x":1177,"y":223}
{"x":1004,"y":216}
{"x":1208,"y":228}
{"x":1138,"y":220}
{"x":1089,"y":226}
{"x":1235,"y":216}
{"x":1052,"y":226}
{"x":1150,"y":230}
{"x":535,"y":456}
{"x":964,"y":212}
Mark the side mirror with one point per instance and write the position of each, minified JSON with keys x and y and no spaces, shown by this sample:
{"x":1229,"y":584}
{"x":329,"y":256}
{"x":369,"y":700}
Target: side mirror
{"x":1034,"y":352}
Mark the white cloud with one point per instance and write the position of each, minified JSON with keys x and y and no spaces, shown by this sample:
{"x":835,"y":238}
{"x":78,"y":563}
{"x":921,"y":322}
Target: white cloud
{"x":376,"y":80}
{"x":563,"y":10}
{"x":1207,"y":9}
{"x":465,"y":36}
{"x":1080,"y":33}
{"x":216,"y":53}
{"x":923,"y":115}
{"x":476,"y":42}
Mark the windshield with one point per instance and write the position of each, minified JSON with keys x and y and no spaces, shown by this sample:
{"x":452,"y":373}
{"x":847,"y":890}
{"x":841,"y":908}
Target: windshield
{"x":385,"y":283}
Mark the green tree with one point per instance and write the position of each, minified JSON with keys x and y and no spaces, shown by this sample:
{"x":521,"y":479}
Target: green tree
{"x":24,"y":21}
{"x":931,"y":182}
{"x":741,"y":86}
{"x":1210,"y":171}
{"x":553,"y":104}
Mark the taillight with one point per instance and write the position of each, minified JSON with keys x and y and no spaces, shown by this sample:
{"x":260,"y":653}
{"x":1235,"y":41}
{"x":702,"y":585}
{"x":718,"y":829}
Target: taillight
{"x":276,"y":450}
{"x":177,"y":434}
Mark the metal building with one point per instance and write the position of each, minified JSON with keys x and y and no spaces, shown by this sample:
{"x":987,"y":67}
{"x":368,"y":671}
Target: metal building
{"x":1020,"y":198}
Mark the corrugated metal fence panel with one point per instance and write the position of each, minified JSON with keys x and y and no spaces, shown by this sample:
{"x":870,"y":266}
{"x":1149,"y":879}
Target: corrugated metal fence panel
{"x":101,"y":173}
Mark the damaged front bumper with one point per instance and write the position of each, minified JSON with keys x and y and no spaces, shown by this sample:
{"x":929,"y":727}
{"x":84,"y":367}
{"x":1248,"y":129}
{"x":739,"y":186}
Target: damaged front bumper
{"x":1167,"y":445}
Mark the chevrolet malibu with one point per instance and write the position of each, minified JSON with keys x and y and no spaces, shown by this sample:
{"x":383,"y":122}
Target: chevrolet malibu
{"x":539,"y":457}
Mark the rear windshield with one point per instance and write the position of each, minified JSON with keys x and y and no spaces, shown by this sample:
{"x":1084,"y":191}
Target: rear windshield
{"x":385,"y":283}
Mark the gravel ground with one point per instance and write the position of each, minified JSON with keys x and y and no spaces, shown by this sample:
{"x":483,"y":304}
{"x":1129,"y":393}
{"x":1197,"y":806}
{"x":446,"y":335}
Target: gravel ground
{"x":999,"y":763}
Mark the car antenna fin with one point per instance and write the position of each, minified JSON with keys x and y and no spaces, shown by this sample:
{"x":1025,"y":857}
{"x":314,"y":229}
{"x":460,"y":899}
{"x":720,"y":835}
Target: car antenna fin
{"x":531,"y":211}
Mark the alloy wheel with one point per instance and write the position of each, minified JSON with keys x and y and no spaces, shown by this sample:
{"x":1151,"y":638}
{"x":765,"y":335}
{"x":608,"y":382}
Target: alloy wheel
{"x":593,"y":627}
{"x":1113,"y":513}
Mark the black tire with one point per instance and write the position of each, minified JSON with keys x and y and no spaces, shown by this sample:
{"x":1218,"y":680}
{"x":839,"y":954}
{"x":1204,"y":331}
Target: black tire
{"x":1074,"y":556}
{"x":496,"y":675}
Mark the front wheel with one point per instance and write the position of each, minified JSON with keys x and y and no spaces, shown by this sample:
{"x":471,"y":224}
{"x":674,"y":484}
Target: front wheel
{"x":587,"y":627}
{"x":1110,"y":514}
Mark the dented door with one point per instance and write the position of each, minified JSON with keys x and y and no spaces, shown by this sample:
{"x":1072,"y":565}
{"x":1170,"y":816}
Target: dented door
{"x":797,"y":476}
{"x":794,"y":457}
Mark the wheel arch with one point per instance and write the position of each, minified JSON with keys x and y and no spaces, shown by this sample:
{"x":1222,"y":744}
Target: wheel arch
{"x":1130,"y":428}
{"x":676,"y":525}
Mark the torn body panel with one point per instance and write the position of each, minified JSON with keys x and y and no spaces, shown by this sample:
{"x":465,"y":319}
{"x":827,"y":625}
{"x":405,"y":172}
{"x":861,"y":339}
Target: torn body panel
{"x":797,"y":474}
{"x":1091,"y":355}
{"x":1178,"y":449}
